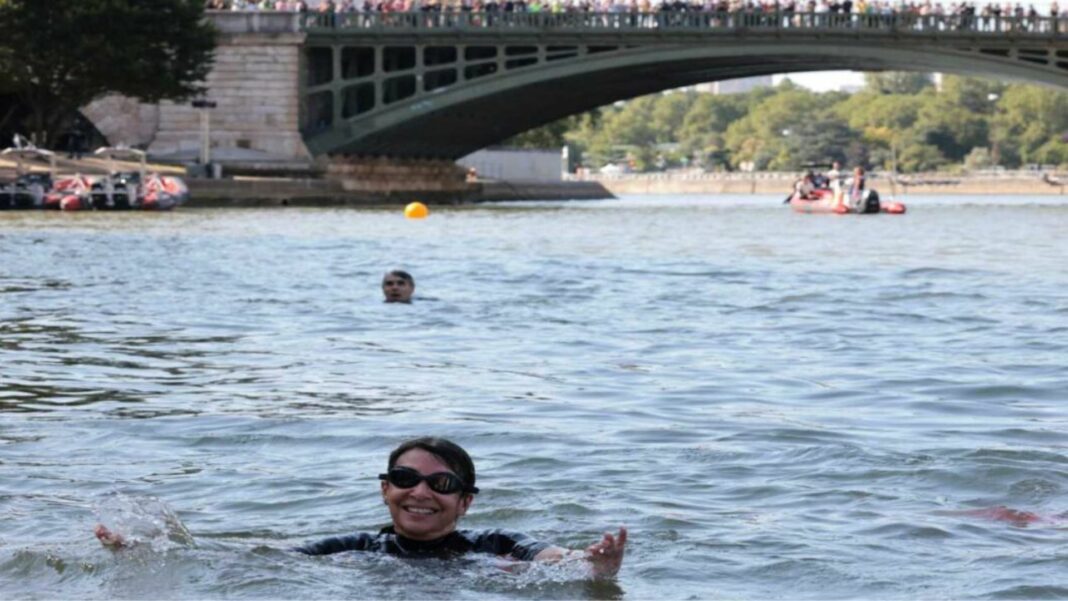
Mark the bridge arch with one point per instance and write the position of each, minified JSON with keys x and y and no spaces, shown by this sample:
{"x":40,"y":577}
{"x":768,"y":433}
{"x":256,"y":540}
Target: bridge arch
{"x":441,"y":85}
{"x":458,"y":119}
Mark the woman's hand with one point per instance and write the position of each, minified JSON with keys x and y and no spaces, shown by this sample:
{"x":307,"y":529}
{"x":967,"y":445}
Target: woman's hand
{"x":109,"y":538}
{"x":606,"y":555}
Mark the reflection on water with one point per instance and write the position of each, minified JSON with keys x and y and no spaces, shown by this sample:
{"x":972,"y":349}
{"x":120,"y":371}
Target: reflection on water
{"x":777,"y":405}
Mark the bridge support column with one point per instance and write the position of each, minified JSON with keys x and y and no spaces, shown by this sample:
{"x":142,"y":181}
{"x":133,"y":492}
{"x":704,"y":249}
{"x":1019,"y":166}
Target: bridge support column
{"x":391,"y":179}
{"x":255,"y":81}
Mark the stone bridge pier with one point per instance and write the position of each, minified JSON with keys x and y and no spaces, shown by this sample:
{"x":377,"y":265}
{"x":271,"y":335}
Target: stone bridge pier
{"x":255,"y":125}
{"x":255,"y":84}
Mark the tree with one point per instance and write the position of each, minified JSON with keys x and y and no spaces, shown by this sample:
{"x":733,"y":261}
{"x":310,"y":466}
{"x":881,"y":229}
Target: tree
{"x":702,"y":129}
{"x":668,"y":114}
{"x":57,"y":56}
{"x":552,"y":135}
{"x":885,"y":122}
{"x":978,"y":158}
{"x":820,"y":139}
{"x":897,"y":82}
{"x":1054,"y":152}
{"x":953,"y":128}
{"x":759,"y":136}
{"x":623,"y":125}
{"x":1028,"y":118}
{"x":920,"y":157}
{"x":971,"y":93}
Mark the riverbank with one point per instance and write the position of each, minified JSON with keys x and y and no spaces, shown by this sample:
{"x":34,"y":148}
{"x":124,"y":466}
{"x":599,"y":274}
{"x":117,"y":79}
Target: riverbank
{"x":261,"y":191}
{"x":257,"y":185}
{"x":1006,"y":184}
{"x":252,"y":185}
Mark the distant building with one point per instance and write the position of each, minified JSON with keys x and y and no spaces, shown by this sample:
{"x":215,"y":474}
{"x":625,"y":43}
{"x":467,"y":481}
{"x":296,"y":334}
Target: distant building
{"x":936,"y":79}
{"x":517,"y":164}
{"x":734,"y":86}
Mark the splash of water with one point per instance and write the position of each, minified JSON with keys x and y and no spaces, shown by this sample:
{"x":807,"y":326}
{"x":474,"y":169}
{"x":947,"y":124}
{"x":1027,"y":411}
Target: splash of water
{"x":143,"y":520}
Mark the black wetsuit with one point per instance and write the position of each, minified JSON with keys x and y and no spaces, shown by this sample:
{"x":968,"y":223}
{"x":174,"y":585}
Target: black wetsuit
{"x":457,"y":542}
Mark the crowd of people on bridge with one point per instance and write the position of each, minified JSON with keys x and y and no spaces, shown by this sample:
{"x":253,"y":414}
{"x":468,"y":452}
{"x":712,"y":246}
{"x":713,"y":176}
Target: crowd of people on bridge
{"x":923,"y":14}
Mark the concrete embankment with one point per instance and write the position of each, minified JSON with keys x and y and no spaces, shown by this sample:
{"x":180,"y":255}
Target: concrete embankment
{"x":363,"y":181}
{"x":253,"y":192}
{"x":510,"y":191}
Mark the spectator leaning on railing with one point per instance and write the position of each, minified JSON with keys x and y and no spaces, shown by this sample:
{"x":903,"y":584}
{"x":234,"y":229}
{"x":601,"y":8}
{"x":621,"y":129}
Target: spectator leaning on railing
{"x":922,"y":15}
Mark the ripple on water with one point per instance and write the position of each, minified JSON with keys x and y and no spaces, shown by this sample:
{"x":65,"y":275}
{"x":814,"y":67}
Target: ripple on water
{"x":1050,"y":591}
{"x":769,"y":424}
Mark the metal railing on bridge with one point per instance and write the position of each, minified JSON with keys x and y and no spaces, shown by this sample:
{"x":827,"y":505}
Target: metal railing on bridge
{"x":691,"y":22}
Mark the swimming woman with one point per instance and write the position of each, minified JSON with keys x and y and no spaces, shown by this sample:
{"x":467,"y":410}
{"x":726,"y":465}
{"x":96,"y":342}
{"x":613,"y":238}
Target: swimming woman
{"x":428,"y":486}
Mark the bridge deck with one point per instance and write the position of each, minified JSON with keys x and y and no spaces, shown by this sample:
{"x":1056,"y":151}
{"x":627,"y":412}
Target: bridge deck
{"x":443,"y":84}
{"x":631,"y":23}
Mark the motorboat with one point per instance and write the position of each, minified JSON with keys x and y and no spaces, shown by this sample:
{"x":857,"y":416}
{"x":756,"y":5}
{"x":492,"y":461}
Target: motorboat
{"x":823,"y":200}
{"x":70,"y":193}
{"x":29,"y":188}
{"x":139,"y":189}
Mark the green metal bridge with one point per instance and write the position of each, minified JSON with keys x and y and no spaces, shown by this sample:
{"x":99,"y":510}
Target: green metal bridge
{"x":442,"y":85}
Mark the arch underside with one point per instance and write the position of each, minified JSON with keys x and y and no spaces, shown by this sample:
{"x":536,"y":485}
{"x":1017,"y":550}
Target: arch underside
{"x":473,"y":115}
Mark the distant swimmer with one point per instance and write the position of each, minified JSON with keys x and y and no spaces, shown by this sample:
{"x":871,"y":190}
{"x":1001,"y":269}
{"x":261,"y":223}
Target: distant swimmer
{"x":428,"y":486}
{"x":1002,"y":513}
{"x":398,"y":286}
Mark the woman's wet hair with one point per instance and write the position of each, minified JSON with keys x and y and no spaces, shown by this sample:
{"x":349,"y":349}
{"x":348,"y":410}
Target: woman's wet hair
{"x":404,"y":275}
{"x":450,"y":453}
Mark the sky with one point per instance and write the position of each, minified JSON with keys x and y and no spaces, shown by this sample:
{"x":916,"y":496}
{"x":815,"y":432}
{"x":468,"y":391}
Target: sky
{"x":823,"y":81}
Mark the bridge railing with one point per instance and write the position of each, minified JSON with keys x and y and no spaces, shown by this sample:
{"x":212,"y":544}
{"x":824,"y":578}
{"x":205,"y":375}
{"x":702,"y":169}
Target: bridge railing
{"x":690,"y":21}
{"x":271,"y":22}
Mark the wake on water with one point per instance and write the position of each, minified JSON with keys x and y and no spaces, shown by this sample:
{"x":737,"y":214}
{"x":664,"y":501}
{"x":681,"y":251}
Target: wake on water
{"x":158,"y":547}
{"x":143,"y":521}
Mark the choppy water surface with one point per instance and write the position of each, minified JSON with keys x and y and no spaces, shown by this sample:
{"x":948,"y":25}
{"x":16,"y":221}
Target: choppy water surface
{"x":777,"y":405}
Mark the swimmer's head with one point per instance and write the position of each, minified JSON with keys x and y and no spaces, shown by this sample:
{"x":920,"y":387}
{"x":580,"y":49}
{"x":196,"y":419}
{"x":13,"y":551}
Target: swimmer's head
{"x":398,"y":286}
{"x":450,"y":453}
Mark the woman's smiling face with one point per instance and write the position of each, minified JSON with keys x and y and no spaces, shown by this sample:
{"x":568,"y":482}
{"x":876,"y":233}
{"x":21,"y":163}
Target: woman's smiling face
{"x":419,"y":513}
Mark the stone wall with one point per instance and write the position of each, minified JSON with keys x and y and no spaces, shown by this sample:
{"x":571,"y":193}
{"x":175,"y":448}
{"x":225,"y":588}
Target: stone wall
{"x":389,"y":176}
{"x":255,"y":84}
{"x":124,"y":120}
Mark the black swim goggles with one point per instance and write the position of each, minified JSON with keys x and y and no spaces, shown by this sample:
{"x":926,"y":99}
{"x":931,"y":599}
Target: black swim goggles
{"x":443,"y":483}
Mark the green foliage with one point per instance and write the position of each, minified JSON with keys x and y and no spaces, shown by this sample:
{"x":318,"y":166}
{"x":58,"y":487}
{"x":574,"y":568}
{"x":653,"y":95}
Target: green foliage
{"x":880,"y":117}
{"x":1027,"y":124}
{"x":669,"y":113}
{"x":955,"y":130}
{"x":553,"y":135}
{"x":897,"y":82}
{"x":821,"y":139}
{"x":920,"y":157}
{"x":759,"y":136}
{"x":978,"y":158}
{"x":58,"y":55}
{"x":701,"y":135}
{"x":972,"y":94}
{"x":976,"y":122}
{"x":1053,"y":152}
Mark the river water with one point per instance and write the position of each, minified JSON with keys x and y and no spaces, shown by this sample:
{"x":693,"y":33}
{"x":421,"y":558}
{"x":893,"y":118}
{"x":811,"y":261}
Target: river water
{"x":776,"y":405}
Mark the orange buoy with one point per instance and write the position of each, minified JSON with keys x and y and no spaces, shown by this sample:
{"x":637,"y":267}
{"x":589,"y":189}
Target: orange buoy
{"x":416,"y":210}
